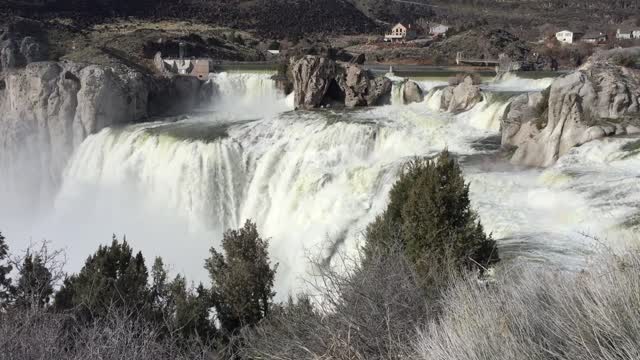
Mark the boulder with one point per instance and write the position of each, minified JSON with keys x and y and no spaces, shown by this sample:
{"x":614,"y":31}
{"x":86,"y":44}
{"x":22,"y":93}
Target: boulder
{"x":33,"y":50}
{"x":522,"y":119}
{"x":412,"y":92}
{"x":461,"y":97}
{"x":360,"y":87}
{"x":10,"y":56}
{"x":600,"y":99}
{"x":358,"y":59}
{"x":312,"y":76}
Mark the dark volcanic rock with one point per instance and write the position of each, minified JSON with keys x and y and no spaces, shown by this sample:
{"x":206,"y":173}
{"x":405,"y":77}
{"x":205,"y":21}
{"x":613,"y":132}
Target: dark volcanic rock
{"x":312,"y":76}
{"x":360,"y":87}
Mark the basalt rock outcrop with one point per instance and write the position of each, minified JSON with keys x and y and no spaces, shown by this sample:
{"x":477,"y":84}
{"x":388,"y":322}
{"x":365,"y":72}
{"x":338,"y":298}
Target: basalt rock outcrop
{"x":522,"y":118}
{"x":412,"y":93}
{"x":48,"y":108}
{"x":600,"y":99}
{"x":22,"y":41}
{"x":312,"y":76}
{"x":319,"y":81}
{"x":360,"y":87}
{"x":461,"y":97}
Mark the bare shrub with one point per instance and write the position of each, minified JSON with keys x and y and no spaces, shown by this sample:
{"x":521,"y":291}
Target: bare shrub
{"x":365,"y":312}
{"x":538,"y":313}
{"x":28,"y":334}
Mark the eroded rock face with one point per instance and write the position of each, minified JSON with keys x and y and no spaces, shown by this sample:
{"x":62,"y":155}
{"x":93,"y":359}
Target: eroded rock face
{"x":462,"y":97}
{"x":522,"y":119}
{"x":360,"y":87}
{"x":312,"y":76}
{"x":321,"y":81}
{"x":600,"y":99}
{"x":412,"y":93}
{"x":48,"y":108}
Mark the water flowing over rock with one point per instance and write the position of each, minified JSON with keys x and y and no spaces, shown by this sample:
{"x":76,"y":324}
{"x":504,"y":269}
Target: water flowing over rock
{"x":462,"y":97}
{"x":312,"y":76}
{"x":360,"y":87}
{"x":412,"y":92}
{"x":600,"y":99}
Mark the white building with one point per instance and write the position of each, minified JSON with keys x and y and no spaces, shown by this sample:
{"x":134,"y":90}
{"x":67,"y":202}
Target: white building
{"x":628,"y":34}
{"x":595,"y":38}
{"x":438,"y":29}
{"x":568,"y":37}
{"x":400,"y":32}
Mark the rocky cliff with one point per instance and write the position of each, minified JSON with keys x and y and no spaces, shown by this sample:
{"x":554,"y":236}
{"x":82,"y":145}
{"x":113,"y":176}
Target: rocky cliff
{"x":48,"y":108}
{"x":600,"y":99}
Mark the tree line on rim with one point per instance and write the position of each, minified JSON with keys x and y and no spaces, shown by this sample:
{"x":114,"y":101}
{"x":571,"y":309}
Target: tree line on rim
{"x":427,"y":236}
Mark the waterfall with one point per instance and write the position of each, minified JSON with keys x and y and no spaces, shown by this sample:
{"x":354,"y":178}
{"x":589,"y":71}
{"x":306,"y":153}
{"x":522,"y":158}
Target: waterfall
{"x":397,"y":93}
{"x":314,"y":179}
{"x":489,"y":112}
{"x":308,"y":179}
{"x":248,"y":95}
{"x":513,"y":82}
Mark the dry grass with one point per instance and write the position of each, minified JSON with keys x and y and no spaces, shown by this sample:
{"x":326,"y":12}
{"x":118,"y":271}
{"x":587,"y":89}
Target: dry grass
{"x":538,"y":313}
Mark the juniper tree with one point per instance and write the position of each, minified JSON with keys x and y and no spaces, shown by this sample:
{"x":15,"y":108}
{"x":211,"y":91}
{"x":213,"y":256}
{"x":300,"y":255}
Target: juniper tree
{"x":430,"y":213}
{"x":5,"y":269}
{"x":113,"y":276}
{"x":34,"y":287}
{"x":242,"y":278}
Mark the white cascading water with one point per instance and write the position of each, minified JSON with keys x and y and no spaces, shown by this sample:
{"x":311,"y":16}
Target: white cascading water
{"x":254,"y":93}
{"x":312,"y":180}
{"x":488,"y":113}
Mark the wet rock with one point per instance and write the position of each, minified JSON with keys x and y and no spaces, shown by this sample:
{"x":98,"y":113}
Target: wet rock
{"x":462,"y":97}
{"x":412,"y":93}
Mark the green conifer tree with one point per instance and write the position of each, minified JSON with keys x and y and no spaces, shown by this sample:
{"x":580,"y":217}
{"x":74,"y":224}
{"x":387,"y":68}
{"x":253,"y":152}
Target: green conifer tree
{"x":242,"y":278}
{"x":113,"y":276}
{"x":5,"y":269}
{"x":430,"y":215}
{"x":35,"y":283}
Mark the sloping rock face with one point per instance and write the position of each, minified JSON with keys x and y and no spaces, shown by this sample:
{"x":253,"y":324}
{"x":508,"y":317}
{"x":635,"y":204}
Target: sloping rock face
{"x":412,"y":93}
{"x":600,"y":99}
{"x":360,"y":87}
{"x":462,"y":97}
{"x":519,"y":121}
{"x":312,"y":76}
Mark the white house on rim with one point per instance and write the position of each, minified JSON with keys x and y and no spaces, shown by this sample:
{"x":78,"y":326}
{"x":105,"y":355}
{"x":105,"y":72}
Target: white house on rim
{"x":628,"y":34}
{"x":568,"y":37}
{"x":400,"y":32}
